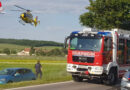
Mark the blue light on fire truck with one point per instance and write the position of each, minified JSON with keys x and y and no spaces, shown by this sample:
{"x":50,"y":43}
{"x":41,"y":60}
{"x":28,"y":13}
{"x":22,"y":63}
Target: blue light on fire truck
{"x":104,"y":33}
{"x":75,"y":32}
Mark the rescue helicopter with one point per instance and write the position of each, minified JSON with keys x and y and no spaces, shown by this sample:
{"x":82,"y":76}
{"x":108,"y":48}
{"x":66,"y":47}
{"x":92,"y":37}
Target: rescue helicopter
{"x":27,"y":17}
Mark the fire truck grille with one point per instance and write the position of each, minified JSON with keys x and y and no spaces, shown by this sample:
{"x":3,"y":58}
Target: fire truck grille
{"x":82,"y":69}
{"x":83,"y":59}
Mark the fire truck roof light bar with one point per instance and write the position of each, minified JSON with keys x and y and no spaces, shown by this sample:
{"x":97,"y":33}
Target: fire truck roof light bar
{"x":104,"y":33}
{"x":75,"y":32}
{"x":98,"y":33}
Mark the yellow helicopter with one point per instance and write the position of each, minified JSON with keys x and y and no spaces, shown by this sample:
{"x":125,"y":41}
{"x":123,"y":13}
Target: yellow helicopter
{"x":27,"y":17}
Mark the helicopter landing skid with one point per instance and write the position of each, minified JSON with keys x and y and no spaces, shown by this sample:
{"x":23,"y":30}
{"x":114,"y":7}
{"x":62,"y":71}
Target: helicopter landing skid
{"x":32,"y":24}
{"x":20,"y":21}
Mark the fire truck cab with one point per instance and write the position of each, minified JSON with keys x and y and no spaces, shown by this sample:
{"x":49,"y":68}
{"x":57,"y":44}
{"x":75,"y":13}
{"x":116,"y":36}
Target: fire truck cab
{"x":98,"y":54}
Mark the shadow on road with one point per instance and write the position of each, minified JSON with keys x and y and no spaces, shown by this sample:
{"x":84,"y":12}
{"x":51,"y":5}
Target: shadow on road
{"x":97,"y":81}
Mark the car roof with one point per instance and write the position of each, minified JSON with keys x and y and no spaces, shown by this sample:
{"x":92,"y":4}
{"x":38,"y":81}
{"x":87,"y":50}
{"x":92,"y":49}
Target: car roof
{"x":127,"y":74}
{"x":17,"y":68}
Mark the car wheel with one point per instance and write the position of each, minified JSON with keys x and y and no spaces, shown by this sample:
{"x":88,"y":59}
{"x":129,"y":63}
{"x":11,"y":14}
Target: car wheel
{"x":33,"y":78}
{"x":77,"y":78}
{"x":111,"y":78}
{"x":10,"y":82}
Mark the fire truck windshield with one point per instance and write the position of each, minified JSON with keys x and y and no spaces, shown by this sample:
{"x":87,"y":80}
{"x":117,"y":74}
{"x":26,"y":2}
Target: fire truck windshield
{"x":85,"y":43}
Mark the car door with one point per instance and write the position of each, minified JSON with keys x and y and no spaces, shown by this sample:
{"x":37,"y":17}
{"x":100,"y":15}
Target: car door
{"x":27,"y":75}
{"x":18,"y":77}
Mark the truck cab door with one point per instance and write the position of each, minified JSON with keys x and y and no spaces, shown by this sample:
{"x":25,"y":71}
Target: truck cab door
{"x":107,"y":53}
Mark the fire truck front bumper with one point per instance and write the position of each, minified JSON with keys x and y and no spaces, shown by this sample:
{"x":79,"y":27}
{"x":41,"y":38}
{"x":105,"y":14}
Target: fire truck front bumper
{"x":84,"y":70}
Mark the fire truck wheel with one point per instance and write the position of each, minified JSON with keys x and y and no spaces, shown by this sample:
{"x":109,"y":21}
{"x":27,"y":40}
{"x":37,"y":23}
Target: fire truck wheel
{"x":111,"y":78}
{"x":77,"y":78}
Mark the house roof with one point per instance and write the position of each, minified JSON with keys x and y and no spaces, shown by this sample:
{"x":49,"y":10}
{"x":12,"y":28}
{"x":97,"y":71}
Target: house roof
{"x":27,"y":49}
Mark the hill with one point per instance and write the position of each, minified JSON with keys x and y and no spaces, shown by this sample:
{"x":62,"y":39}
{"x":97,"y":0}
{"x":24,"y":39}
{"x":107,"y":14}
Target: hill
{"x":25,"y":42}
{"x":12,"y":47}
{"x":21,"y":47}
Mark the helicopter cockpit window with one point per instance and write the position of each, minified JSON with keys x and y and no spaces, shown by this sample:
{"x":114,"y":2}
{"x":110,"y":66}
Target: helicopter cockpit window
{"x":25,"y":15}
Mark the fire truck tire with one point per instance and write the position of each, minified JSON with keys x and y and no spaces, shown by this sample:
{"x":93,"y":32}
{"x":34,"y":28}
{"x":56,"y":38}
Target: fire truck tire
{"x":111,"y":78}
{"x":77,"y":78}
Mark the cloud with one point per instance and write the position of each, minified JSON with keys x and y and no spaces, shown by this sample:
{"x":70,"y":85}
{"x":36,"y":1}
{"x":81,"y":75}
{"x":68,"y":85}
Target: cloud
{"x":53,"y":6}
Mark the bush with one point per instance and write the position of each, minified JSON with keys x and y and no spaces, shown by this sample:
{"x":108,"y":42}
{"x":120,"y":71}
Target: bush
{"x":53,"y":52}
{"x":13,"y":52}
{"x":7,"y":51}
{"x":0,"y":51}
{"x":40,"y":52}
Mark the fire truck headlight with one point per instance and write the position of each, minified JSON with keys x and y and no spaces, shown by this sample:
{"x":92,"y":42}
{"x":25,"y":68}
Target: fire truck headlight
{"x":96,"y":70}
{"x":71,"y":68}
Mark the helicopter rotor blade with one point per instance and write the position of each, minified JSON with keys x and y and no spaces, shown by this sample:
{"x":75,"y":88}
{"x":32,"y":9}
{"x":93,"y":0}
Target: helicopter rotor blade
{"x":22,"y":8}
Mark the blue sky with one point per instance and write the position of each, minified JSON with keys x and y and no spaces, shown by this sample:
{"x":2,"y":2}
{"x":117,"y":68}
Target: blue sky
{"x":58,"y":18}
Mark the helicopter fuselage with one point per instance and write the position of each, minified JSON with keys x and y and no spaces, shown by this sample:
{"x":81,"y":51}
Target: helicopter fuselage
{"x":27,"y":17}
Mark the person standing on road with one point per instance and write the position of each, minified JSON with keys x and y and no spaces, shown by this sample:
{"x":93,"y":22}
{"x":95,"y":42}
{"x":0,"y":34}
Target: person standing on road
{"x":38,"y":68}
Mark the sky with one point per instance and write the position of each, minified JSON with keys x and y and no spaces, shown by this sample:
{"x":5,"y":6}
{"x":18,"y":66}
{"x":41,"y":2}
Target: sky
{"x":58,"y":18}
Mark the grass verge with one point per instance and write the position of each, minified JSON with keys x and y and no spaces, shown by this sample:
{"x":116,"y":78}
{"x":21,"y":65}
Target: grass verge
{"x":54,"y":70}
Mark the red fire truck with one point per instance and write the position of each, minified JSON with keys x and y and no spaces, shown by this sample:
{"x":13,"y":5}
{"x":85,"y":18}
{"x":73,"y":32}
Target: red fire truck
{"x":98,"y":54}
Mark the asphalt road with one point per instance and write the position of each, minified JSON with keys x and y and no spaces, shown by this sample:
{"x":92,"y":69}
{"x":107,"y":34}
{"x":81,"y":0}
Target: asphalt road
{"x":70,"y":85}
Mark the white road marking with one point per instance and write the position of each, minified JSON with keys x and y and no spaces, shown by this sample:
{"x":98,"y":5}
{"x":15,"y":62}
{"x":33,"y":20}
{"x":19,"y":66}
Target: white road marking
{"x":29,"y":63}
{"x":39,"y":85}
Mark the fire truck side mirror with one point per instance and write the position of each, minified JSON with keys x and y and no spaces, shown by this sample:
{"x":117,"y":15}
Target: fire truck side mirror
{"x":65,"y":41}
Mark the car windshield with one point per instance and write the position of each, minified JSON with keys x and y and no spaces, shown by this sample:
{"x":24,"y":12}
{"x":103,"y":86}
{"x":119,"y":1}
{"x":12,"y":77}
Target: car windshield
{"x":6,"y":72}
{"x":86,"y":43}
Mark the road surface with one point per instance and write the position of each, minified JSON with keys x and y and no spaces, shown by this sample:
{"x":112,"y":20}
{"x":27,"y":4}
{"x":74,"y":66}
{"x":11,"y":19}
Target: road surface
{"x":70,"y":85}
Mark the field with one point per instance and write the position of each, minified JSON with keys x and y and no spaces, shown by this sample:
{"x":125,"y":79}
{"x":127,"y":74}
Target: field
{"x":54,"y":69}
{"x":19,"y":47}
{"x":12,"y":47}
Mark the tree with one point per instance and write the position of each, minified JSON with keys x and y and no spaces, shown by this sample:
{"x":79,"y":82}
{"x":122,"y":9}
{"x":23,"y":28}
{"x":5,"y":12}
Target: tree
{"x":0,"y":51}
{"x":40,"y":52}
{"x":7,"y":51}
{"x":55,"y":52}
{"x":32,"y":51}
{"x":64,"y":51}
{"x":107,"y":14}
{"x":13,"y":51}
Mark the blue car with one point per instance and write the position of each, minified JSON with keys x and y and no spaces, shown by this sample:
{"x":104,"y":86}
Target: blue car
{"x":125,"y":82}
{"x":10,"y":75}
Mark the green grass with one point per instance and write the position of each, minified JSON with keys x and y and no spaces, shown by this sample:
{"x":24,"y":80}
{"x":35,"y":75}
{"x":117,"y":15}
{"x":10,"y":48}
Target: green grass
{"x":13,"y":57}
{"x":12,"y":46}
{"x":50,"y":47}
{"x":54,"y":70}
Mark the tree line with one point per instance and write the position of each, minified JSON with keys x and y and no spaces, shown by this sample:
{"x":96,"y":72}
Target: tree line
{"x":38,"y":52}
{"x":35,"y":43}
{"x":8,"y":51}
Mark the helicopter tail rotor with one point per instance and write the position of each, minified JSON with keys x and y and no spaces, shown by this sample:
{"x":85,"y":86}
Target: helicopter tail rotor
{"x":36,"y":21}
